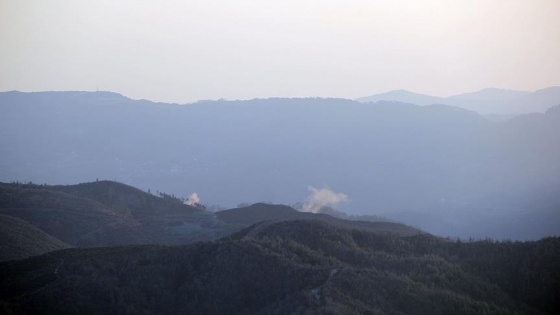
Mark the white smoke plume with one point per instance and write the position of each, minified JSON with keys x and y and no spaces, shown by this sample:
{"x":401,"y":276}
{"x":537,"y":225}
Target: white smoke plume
{"x":193,"y":199}
{"x":319,"y":198}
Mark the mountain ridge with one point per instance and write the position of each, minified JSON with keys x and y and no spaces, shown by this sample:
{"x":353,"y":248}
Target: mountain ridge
{"x":486,"y":101}
{"x":260,"y":212}
{"x":447,"y":161}
{"x":107,"y":213}
{"x":402,"y":96}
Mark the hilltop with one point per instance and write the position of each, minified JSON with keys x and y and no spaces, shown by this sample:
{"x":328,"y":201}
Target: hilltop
{"x":103,"y":213}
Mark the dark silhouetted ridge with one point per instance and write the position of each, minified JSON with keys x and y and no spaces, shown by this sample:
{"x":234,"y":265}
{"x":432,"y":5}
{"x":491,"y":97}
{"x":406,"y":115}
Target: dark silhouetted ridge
{"x":127,"y":200}
{"x":108,"y":213}
{"x":260,"y":212}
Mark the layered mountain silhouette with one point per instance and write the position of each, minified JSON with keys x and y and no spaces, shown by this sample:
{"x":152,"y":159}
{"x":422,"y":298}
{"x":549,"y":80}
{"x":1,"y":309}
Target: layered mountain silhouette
{"x":39,"y":218}
{"x":446,"y":170}
{"x":486,"y":101}
{"x":122,"y":253}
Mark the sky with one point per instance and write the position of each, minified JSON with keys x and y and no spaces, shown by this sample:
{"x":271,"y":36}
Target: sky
{"x":184,"y":51}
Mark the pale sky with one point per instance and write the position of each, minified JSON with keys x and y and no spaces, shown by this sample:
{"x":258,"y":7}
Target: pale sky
{"x":183,"y":51}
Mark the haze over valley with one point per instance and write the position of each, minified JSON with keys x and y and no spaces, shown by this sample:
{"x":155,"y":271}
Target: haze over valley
{"x":444,"y":169}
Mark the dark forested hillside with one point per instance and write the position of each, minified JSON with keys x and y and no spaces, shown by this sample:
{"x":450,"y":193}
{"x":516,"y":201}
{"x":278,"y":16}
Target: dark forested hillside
{"x":297,"y":267}
{"x":42,"y":218}
{"x":106,"y":213}
{"x":20,"y":239}
{"x":259,"y":212}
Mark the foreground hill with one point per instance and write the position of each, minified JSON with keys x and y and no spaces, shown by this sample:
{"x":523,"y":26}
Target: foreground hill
{"x":19,"y":239}
{"x":105,"y":213}
{"x":296,"y":267}
{"x":259,"y":212}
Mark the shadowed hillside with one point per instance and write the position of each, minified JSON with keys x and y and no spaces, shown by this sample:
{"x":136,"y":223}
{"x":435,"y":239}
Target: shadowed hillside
{"x":127,"y":200}
{"x":297,"y":267}
{"x":108,"y":213}
{"x":105,"y":213}
{"x":19,"y":239}
{"x":264,"y":212}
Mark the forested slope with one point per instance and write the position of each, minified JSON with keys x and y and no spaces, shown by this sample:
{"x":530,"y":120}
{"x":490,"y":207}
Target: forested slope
{"x":105,"y":213}
{"x":292,"y":267}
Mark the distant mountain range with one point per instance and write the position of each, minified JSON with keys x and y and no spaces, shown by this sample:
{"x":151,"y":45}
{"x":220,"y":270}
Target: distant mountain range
{"x":487,"y":101}
{"x":104,"y":247}
{"x":443,"y":169}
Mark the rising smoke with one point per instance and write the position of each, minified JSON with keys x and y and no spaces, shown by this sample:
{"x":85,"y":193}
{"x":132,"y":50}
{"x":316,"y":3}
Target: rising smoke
{"x":193,"y":199}
{"x":319,"y":198}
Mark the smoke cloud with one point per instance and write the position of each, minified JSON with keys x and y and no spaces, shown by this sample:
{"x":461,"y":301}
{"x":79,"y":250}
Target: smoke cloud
{"x":319,"y":198}
{"x":193,"y":199}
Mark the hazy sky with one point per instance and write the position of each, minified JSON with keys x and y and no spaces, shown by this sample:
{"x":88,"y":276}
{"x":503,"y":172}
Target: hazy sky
{"x":182,"y":51}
